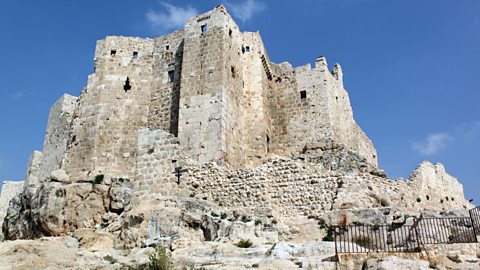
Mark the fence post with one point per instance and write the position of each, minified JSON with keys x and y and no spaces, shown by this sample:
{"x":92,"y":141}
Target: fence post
{"x":475,"y":229}
{"x":417,"y":238}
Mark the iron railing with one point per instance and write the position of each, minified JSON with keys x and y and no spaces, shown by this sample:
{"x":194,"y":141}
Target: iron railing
{"x":375,"y":239}
{"x":446,"y":230}
{"x":356,"y":238}
{"x":475,"y":217}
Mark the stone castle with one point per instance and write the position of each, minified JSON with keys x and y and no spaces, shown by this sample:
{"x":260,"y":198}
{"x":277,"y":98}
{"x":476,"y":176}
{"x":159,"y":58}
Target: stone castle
{"x":252,"y":136}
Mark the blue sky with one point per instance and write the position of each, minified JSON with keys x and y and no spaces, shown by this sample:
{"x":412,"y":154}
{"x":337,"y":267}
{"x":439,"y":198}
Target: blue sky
{"x":412,"y":68}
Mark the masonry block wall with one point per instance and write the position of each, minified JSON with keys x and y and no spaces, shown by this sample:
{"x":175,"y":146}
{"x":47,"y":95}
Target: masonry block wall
{"x":112,"y":108}
{"x":201,"y":120}
{"x":166,"y":82}
{"x":311,"y":110}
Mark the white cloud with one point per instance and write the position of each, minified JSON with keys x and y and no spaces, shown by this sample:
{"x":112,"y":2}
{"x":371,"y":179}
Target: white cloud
{"x":434,"y":143}
{"x":244,"y":11}
{"x":172,"y":18}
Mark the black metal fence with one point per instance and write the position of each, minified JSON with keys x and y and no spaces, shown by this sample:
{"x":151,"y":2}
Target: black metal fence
{"x":446,"y":230}
{"x":475,"y":216}
{"x":406,"y":238}
{"x":375,"y":238}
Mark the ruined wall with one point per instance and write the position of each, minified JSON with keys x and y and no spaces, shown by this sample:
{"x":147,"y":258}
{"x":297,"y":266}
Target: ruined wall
{"x":311,"y":113}
{"x":32,"y":175}
{"x":56,"y":136}
{"x":428,"y":188}
{"x":111,"y":109}
{"x":434,"y":187}
{"x":287,"y":186}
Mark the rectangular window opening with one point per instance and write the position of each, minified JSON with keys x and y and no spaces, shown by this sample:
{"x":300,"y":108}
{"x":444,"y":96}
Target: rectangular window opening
{"x":113,"y":52}
{"x":171,"y":75}
{"x":204,"y":28}
{"x":303,"y":94}
{"x":167,"y":47}
{"x":230,"y":32}
{"x":232,"y":69}
{"x":247,"y":48}
{"x":135,"y":55}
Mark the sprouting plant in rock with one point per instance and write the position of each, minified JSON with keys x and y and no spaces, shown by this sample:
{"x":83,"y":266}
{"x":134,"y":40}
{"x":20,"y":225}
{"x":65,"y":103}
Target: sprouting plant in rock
{"x":223,"y":216}
{"x":258,"y":222}
{"x":274,"y":221}
{"x":160,"y":259}
{"x":213,"y":214}
{"x":244,"y":243}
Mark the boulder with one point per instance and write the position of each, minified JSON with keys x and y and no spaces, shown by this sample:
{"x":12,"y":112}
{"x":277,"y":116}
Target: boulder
{"x":60,"y":176}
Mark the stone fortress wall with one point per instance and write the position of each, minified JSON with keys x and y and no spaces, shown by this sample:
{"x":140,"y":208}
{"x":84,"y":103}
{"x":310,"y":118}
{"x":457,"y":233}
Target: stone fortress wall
{"x":287,"y":187}
{"x":214,"y":88}
{"x":253,"y":134}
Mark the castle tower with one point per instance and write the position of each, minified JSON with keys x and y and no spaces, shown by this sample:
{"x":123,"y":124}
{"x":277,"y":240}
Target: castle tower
{"x":211,"y":123}
{"x":114,"y":105}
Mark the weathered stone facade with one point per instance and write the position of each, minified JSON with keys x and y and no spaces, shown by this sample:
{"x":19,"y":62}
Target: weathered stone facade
{"x":255,"y":137}
{"x":214,"y":88}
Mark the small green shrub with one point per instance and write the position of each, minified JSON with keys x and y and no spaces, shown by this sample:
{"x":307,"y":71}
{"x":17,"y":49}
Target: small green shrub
{"x":160,"y":259}
{"x":110,"y":259}
{"x":98,"y":179}
{"x":223,"y":216}
{"x":363,"y":241}
{"x":274,"y":221}
{"x":213,"y":214}
{"x":244,"y":243}
{"x":322,"y":223}
{"x":258,"y":222}
{"x":329,"y":236}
